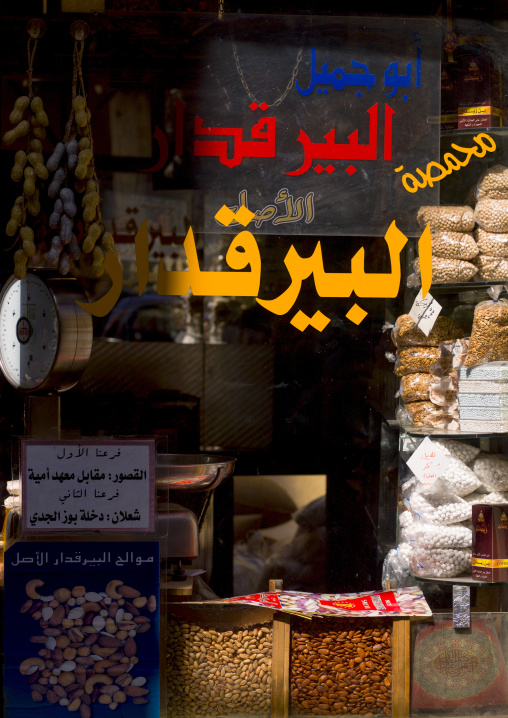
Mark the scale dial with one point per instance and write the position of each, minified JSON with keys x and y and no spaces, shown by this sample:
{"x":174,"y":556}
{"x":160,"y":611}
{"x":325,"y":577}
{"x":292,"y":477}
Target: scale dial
{"x":45,"y":337}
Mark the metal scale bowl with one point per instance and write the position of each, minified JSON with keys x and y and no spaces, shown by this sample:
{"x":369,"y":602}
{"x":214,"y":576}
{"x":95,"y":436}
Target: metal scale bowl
{"x":178,"y":526}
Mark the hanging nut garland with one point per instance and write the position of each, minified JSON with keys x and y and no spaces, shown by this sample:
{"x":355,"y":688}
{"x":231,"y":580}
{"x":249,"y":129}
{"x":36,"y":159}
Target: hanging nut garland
{"x":30,"y":121}
{"x":74,"y":156}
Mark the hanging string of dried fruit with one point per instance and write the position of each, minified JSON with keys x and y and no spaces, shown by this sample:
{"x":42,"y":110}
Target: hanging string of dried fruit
{"x":74,"y":156}
{"x":28,"y":166}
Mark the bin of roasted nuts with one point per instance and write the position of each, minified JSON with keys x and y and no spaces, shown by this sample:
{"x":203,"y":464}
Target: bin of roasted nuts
{"x":218,"y":661}
{"x":341,"y":666}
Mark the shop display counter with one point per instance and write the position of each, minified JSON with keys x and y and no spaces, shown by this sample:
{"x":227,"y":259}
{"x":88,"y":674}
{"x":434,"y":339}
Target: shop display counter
{"x":240,"y":660}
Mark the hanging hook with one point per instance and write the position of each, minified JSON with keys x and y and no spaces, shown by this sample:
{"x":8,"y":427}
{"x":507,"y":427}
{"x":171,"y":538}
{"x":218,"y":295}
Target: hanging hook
{"x":80,"y":30}
{"x":36,"y":28}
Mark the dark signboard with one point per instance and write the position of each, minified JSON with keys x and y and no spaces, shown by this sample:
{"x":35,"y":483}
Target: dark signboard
{"x":312,"y":122}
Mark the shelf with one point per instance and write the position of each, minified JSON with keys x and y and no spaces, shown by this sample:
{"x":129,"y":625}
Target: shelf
{"x":429,"y":431}
{"x":463,"y":580}
{"x":474,"y":131}
{"x":454,"y":287}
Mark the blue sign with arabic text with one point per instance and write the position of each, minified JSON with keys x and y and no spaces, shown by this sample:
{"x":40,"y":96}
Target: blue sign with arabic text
{"x":81,"y":623}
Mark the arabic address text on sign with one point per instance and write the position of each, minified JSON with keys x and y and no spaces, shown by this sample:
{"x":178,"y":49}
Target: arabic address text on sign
{"x":81,"y":485}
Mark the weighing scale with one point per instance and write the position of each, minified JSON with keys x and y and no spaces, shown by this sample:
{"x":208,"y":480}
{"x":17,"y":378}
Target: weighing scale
{"x":45,"y":345}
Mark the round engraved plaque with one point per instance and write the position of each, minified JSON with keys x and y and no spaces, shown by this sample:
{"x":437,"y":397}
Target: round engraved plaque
{"x":453,"y":665}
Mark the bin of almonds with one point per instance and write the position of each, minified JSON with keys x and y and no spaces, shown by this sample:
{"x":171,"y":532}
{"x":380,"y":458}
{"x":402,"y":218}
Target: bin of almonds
{"x":219,"y":661}
{"x":341,"y":666}
{"x":423,"y":363}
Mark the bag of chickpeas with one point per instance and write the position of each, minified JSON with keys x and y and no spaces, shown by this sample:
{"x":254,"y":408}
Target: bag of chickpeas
{"x":449,"y":270}
{"x":454,"y":245}
{"x":492,"y":268}
{"x":446,"y":219}
{"x":493,"y":183}
{"x":495,"y":244}
{"x":489,"y":336}
{"x":492,"y":215}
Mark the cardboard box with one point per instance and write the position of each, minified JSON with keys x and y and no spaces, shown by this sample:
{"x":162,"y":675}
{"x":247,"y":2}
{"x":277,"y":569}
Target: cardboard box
{"x":478,"y":92}
{"x":490,"y":542}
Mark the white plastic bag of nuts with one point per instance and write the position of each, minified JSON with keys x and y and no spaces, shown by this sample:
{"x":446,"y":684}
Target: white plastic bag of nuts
{"x":491,"y":268}
{"x":441,"y":562}
{"x":492,"y":214}
{"x":448,"y":271}
{"x":495,"y":244}
{"x":489,"y":336}
{"x":341,"y":666}
{"x":454,"y":245}
{"x":219,"y":661}
{"x":446,"y":219}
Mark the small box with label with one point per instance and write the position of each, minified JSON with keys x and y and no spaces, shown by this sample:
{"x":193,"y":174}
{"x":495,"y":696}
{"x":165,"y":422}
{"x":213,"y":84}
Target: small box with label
{"x":478,"y":92}
{"x":490,"y":542}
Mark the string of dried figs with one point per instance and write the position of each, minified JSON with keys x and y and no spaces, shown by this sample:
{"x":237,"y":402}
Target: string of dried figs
{"x":341,"y":666}
{"x":87,"y":646}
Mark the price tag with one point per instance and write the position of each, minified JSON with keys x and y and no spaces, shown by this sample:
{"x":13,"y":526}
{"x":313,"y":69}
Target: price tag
{"x":424,"y":312}
{"x":428,"y":462}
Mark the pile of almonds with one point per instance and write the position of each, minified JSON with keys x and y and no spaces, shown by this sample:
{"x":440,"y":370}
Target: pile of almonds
{"x":88,"y":646}
{"x":341,"y":666}
{"x":218,"y":672}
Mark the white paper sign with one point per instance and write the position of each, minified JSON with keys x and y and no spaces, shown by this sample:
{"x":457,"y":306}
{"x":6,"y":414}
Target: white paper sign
{"x":424,"y":312}
{"x":103,"y":485}
{"x":428,"y":462}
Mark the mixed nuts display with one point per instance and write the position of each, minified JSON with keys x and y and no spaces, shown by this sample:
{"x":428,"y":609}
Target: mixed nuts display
{"x":88,"y":645}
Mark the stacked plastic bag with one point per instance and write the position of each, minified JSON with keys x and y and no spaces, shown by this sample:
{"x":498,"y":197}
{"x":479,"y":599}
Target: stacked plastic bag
{"x":453,"y":244}
{"x":423,"y":363}
{"x":491,"y":217}
{"x":435,"y":525}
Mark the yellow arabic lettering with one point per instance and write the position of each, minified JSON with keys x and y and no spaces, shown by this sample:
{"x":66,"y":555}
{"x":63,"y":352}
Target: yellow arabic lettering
{"x":416,"y":184}
{"x":425,"y":254}
{"x":242,"y":252}
{"x":105,"y":304}
{"x":340,"y":284}
{"x":451,"y":161}
{"x":141,"y":246}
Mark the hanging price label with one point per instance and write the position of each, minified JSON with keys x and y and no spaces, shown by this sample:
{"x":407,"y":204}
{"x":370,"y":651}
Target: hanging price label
{"x":424,"y":312}
{"x":428,"y":462}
